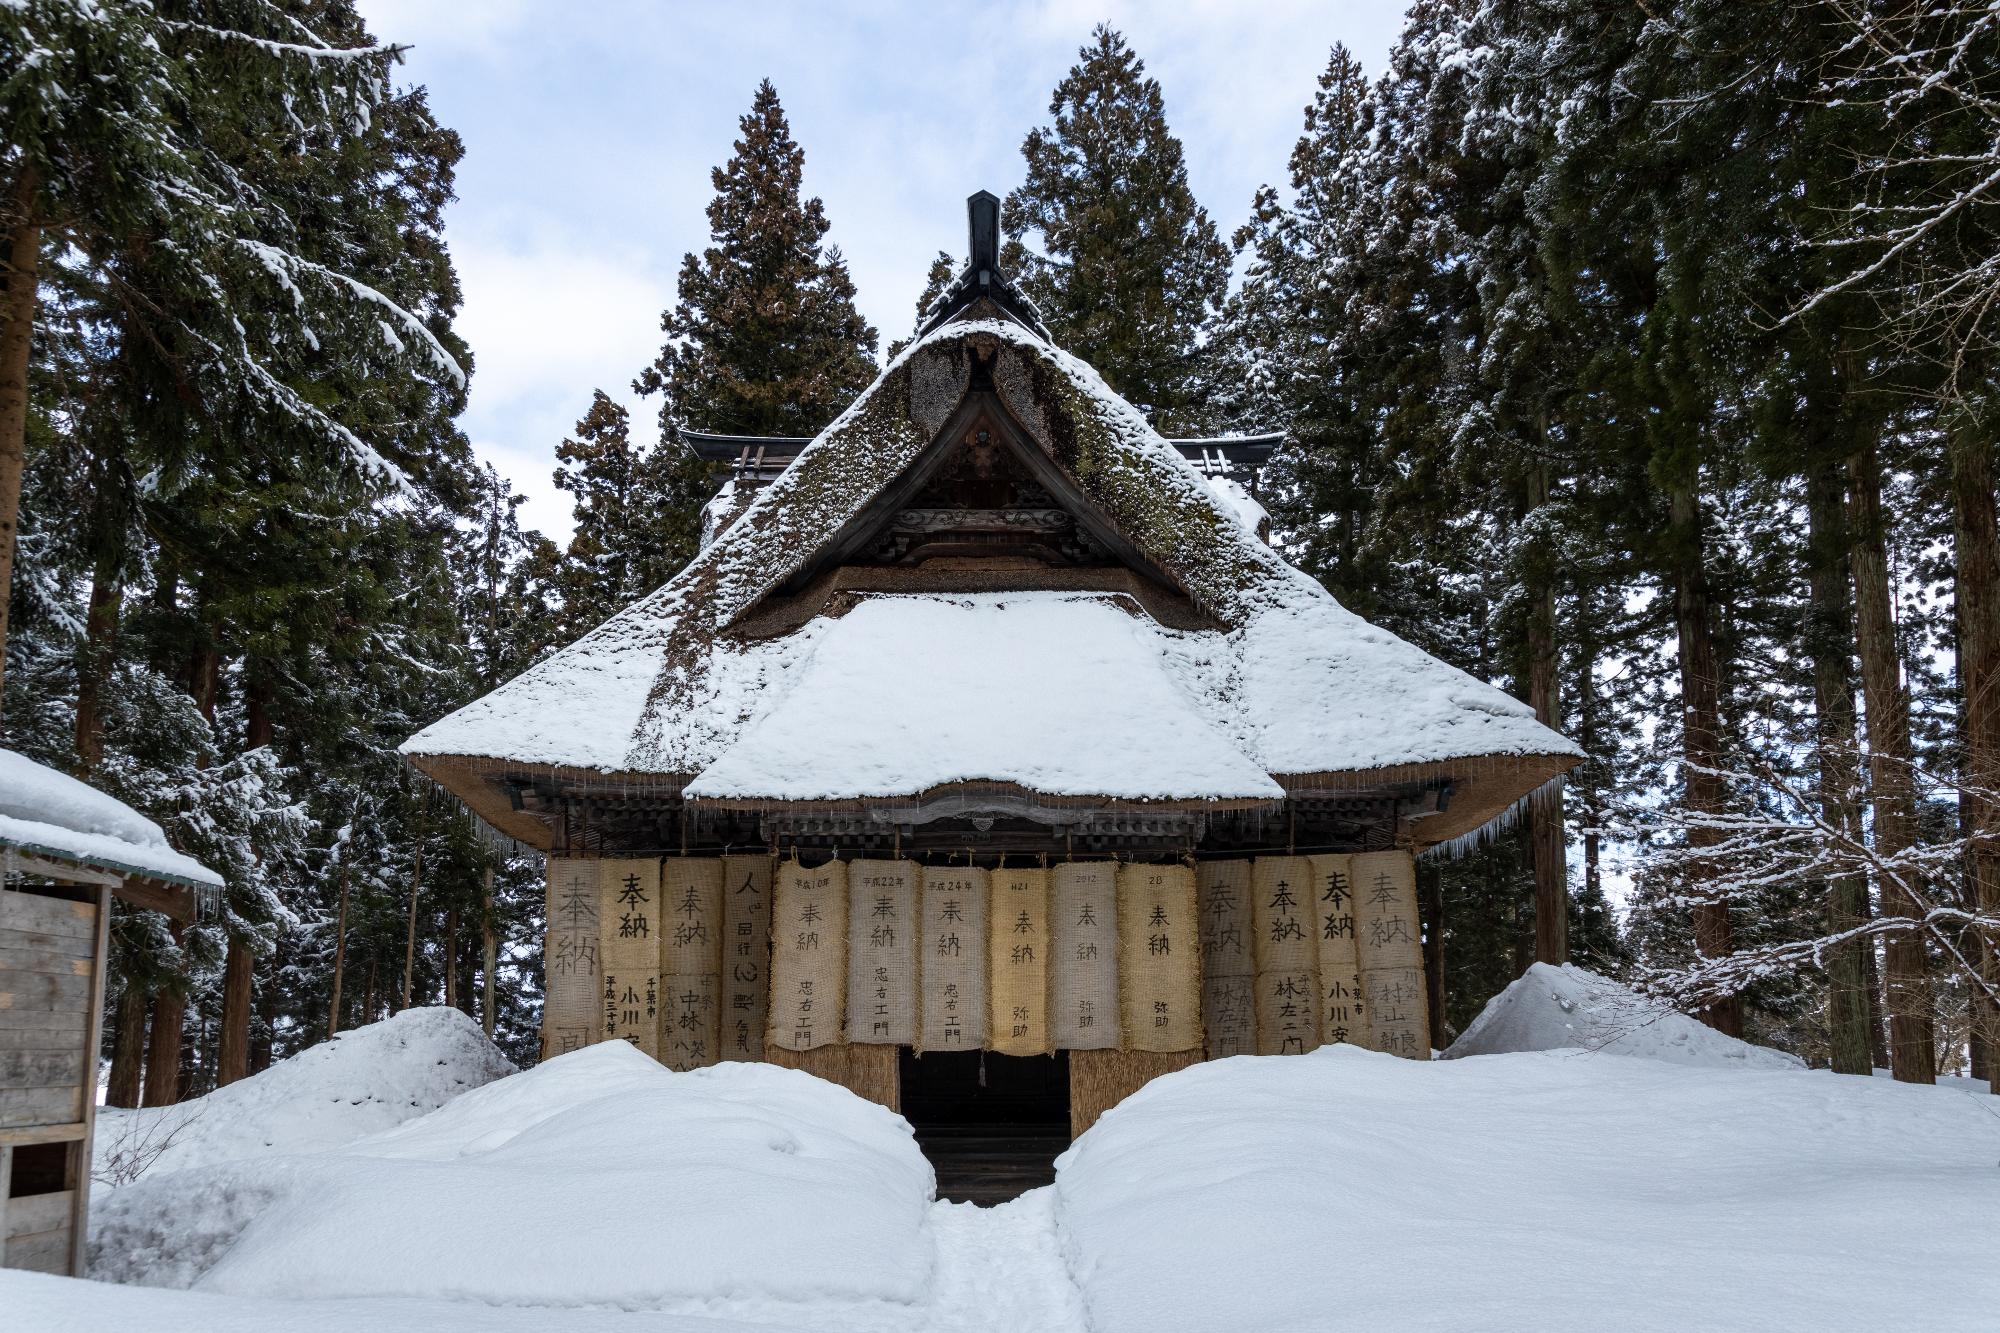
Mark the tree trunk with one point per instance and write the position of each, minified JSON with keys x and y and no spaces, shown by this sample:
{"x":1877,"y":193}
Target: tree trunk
{"x":1890,"y":778}
{"x":93,"y":663}
{"x":339,"y":958}
{"x":17,"y":333}
{"x":451,"y":959}
{"x":410,"y":941}
{"x":1976,"y":537}
{"x":368,"y":996}
{"x":1830,"y":636}
{"x":1701,"y":725}
{"x":235,"y":1058}
{"x":1430,"y":887}
{"x":491,"y":953}
{"x":163,"y":1051}
{"x":1545,"y":808}
{"x":128,"y":1050}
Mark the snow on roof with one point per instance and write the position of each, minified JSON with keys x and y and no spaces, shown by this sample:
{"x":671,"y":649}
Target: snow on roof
{"x":1299,"y":684}
{"x":1063,"y":694}
{"x":48,"y":813}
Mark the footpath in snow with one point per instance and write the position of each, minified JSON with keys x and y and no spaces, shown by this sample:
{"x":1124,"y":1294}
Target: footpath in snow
{"x":1562,"y":1188}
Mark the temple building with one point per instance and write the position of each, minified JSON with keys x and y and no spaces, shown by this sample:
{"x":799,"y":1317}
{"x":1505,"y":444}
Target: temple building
{"x":988,"y":759}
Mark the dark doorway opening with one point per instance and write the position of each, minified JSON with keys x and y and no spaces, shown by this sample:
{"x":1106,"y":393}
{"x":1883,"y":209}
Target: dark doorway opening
{"x":992,"y":1125}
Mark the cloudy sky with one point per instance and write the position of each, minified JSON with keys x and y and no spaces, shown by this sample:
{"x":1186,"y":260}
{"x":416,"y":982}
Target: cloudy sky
{"x":590,"y":127}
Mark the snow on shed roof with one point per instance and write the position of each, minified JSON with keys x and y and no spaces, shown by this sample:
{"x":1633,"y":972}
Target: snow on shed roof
{"x":1298,"y":683}
{"x":48,"y":813}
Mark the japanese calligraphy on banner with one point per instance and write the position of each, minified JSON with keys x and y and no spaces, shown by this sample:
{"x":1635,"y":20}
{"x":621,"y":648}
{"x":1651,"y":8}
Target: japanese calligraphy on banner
{"x":1083,"y":956}
{"x":1339,"y":965}
{"x":746,"y":955}
{"x":1390,"y":946}
{"x":808,"y":955}
{"x":1228,"y":966}
{"x":1018,"y":945}
{"x":1287,"y":955}
{"x":882,"y":952}
{"x":628,"y":896}
{"x":571,"y":1006}
{"x":1159,"y":958}
{"x":952,"y":1013}
{"x":691,"y":960}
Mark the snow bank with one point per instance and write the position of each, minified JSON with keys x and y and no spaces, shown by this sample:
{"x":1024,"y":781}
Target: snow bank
{"x":1349,"y":1189}
{"x":1557,"y":1008}
{"x":360,"y":1083}
{"x":42,"y":810}
{"x":598,"y":1178}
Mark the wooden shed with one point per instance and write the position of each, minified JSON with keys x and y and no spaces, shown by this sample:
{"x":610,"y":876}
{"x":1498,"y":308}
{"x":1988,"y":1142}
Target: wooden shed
{"x":987,"y":759}
{"x":66,"y":850}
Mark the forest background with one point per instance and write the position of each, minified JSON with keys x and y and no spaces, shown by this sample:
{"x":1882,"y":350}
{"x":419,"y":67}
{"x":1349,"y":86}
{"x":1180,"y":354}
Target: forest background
{"x":1636,"y":359}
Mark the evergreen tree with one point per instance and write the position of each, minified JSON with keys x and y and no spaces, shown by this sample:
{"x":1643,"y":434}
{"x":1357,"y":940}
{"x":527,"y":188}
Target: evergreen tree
{"x":942,"y":270}
{"x":765,"y":338}
{"x":1128,"y":270}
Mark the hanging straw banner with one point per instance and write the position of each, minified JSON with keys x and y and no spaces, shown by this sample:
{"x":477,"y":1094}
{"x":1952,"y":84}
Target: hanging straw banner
{"x":1159,"y":968}
{"x":628,"y":897}
{"x":746,"y":955}
{"x":1228,"y":967}
{"x":1281,"y":919}
{"x":571,"y":1006}
{"x":1083,"y":958}
{"x":1018,"y":945}
{"x":1339,"y":964}
{"x":808,"y":955}
{"x":952,"y":1013}
{"x":691,"y":960}
{"x":1390,"y":945}
{"x":882,"y":952}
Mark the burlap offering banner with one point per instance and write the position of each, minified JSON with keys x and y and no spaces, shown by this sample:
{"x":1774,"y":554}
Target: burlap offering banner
{"x":1159,"y":964}
{"x":572,"y":1008}
{"x":1083,"y":957}
{"x":808,"y":955}
{"x":882,"y":952}
{"x":628,"y":932}
{"x":1395,"y":1007}
{"x":1339,"y":964}
{"x":746,"y":955}
{"x":1281,"y":920}
{"x":1018,"y":947}
{"x":1228,"y":964}
{"x":691,"y":960}
{"x":952,"y":1012}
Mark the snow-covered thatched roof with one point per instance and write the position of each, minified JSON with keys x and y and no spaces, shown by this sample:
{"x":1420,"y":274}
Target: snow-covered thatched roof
{"x":51,"y":816}
{"x":1062,"y":693}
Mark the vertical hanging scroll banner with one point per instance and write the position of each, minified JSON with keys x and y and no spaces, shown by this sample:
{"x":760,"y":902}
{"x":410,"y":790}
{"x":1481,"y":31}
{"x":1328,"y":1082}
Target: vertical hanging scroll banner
{"x":1228,"y":965}
{"x":1083,"y":957}
{"x":628,"y":897}
{"x":882,"y":952}
{"x":572,"y":1008}
{"x":746,"y":955}
{"x":808,"y":955}
{"x":1018,"y":945}
{"x":1159,"y":958}
{"x":1281,"y":923}
{"x":1390,"y":943}
{"x":1340,"y":1017}
{"x":690,"y":961}
{"x":952,"y":1013}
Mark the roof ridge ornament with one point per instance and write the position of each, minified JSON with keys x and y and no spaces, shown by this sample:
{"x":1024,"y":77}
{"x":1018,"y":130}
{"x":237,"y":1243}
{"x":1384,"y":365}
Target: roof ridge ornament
{"x":982,"y":282}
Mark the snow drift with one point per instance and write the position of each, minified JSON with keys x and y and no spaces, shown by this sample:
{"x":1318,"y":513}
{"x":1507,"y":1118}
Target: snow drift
{"x":1349,"y":1189}
{"x":1552,"y":1008}
{"x":360,"y":1083}
{"x":598,"y":1178}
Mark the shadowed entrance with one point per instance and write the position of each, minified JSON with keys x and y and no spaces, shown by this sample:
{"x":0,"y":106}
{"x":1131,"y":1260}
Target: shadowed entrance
{"x":992,"y":1125}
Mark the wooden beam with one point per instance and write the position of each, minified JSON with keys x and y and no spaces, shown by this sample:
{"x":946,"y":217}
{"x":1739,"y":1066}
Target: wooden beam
{"x":29,"y":1135}
{"x":62,"y":872}
{"x":174,"y":902}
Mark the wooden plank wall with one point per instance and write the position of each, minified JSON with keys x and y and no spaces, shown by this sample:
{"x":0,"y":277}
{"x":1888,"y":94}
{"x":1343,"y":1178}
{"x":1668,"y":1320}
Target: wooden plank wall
{"x":51,"y":1014}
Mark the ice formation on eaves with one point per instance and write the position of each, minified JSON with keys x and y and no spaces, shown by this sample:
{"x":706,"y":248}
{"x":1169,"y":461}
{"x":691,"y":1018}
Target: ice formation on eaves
{"x":1294,"y":680}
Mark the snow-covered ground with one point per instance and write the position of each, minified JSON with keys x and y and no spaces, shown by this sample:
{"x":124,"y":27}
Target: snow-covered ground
{"x":1546,"y":1189}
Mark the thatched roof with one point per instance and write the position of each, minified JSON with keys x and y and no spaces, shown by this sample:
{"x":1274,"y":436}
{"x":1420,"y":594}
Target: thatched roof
{"x":680,"y":688}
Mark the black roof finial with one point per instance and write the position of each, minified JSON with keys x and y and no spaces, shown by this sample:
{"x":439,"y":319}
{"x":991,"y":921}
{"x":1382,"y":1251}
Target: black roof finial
{"x":982,"y":216}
